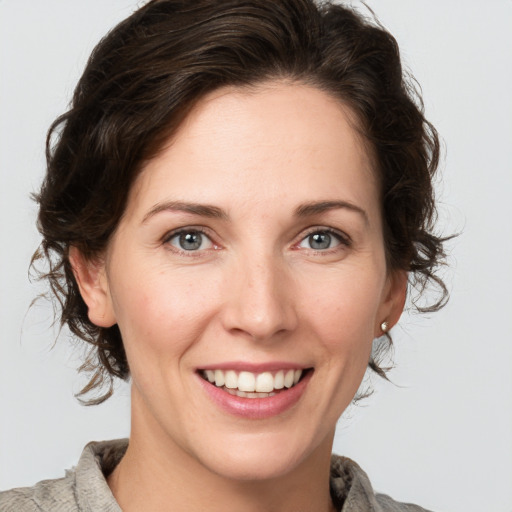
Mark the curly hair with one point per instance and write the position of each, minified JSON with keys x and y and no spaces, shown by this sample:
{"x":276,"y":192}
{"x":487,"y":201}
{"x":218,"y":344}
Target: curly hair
{"x":146,"y":75}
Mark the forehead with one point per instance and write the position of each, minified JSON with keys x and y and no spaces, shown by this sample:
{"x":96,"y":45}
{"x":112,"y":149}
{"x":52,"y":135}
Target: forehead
{"x":266,"y":142}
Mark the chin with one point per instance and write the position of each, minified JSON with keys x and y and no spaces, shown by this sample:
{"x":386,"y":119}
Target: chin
{"x":263,"y":457}
{"x":252,"y":467}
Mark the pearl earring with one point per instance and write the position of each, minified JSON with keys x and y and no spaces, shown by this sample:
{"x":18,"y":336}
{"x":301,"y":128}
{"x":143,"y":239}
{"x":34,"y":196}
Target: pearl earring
{"x":384,"y":326}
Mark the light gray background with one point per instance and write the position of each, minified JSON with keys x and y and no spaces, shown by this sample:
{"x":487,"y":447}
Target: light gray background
{"x":442,"y":436}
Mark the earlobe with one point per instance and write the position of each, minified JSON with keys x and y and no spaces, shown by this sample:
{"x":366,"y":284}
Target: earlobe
{"x":93,"y":285}
{"x":393,"y":302}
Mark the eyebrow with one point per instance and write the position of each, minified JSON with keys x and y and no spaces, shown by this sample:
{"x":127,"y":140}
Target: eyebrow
{"x":214,"y":212}
{"x":318,"y":207}
{"x":203,"y":210}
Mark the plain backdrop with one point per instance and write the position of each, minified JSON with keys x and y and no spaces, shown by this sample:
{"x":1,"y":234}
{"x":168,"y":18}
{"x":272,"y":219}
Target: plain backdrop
{"x":441,"y":434}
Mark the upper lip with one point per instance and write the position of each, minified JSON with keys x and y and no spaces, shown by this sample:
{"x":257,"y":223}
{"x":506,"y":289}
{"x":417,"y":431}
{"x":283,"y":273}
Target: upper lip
{"x":254,"y":367}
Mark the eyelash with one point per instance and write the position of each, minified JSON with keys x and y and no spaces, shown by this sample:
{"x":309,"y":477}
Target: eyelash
{"x":183,"y":231}
{"x":342,"y":238}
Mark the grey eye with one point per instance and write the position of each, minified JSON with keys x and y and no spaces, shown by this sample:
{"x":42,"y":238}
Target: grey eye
{"x":192,"y":240}
{"x":320,"y":240}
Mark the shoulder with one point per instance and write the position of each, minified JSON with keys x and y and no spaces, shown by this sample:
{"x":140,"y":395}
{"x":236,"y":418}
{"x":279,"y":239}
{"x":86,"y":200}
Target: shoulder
{"x":352,"y":491}
{"x":54,"y":495}
{"x":389,"y":504}
{"x":83,"y":489}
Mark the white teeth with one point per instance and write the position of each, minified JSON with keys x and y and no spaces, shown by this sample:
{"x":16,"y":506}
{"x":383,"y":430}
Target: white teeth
{"x":230,"y":379}
{"x":288,"y":379}
{"x":279,"y":380}
{"x":219,"y":378}
{"x":264,"y":382}
{"x":246,"y":382}
{"x":251,"y":385}
{"x":243,"y":394}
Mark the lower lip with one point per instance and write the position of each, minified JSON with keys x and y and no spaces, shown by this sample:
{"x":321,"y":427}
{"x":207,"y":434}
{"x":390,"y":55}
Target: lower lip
{"x":256,"y":408}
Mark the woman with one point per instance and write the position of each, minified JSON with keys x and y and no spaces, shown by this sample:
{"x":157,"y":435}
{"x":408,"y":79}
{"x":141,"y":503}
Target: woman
{"x":233,"y":209}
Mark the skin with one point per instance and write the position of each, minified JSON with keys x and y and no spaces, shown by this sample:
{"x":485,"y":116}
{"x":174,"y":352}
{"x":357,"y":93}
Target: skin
{"x":256,"y":290}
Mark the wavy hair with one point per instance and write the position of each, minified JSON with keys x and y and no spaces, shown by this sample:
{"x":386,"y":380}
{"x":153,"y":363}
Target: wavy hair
{"x":143,"y":78}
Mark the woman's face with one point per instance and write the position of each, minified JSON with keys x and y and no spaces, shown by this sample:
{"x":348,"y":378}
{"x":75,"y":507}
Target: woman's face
{"x":251,"y":253}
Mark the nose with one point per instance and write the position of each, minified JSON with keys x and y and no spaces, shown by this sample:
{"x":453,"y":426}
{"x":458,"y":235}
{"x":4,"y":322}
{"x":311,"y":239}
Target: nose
{"x":259,"y":300}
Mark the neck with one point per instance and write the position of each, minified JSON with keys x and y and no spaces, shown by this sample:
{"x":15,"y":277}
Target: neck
{"x":157,"y":474}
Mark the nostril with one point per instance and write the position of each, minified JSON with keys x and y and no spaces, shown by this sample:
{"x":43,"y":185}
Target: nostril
{"x":259,"y":304}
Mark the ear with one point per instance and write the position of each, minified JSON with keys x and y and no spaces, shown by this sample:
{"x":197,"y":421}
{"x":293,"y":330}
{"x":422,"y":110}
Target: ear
{"x":393,"y":301}
{"x":93,"y":285}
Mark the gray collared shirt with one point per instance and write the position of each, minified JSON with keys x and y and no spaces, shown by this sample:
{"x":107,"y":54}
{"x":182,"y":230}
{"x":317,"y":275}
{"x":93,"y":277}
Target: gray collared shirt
{"x":85,"y":489}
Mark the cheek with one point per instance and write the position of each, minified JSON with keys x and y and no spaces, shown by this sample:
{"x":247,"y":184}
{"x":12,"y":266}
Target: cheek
{"x":341,"y":314}
{"x":159,"y":316}
{"x":342,"y":310}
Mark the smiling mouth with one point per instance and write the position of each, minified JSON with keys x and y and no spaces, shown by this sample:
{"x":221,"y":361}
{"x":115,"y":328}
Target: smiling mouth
{"x":246,"y":384}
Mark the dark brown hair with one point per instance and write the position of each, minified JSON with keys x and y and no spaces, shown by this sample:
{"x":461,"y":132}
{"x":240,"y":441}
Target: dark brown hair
{"x":144,"y":77}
